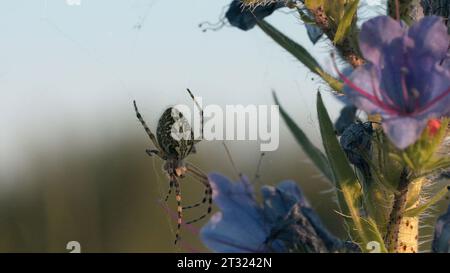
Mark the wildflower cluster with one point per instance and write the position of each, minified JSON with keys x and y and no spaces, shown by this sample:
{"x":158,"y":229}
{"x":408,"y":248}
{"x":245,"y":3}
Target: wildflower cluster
{"x":381,"y":163}
{"x":284,"y":222}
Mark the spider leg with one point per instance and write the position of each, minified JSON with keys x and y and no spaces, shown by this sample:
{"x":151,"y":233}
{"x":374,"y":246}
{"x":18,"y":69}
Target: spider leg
{"x":152,"y":152}
{"x":174,"y":180}
{"x":201,"y":115}
{"x":193,"y":150}
{"x":147,"y":130}
{"x":205,"y":197}
{"x":201,"y":177}
{"x":171,"y":184}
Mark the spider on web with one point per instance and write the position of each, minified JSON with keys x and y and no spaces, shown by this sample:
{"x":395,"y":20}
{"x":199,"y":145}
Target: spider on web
{"x":174,"y":152}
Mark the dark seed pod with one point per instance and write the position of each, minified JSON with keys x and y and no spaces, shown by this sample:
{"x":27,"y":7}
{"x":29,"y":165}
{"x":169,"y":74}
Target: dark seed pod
{"x":346,"y":118}
{"x":294,"y":222}
{"x":355,"y":141}
{"x":245,"y":18}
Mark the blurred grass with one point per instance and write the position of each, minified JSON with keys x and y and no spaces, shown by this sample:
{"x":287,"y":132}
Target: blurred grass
{"x":107,"y":198}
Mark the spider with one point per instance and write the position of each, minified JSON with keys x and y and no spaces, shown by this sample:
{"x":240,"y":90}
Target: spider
{"x":173,"y":151}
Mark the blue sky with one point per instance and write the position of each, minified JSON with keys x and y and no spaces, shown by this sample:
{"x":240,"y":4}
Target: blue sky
{"x":68,"y":73}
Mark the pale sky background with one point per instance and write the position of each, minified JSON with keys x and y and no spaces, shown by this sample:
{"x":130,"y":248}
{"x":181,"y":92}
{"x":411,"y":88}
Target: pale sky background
{"x":71,"y":148}
{"x":68,"y":74}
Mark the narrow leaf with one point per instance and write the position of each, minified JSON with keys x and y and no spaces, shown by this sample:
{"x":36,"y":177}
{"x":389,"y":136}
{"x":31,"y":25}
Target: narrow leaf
{"x":349,"y":190}
{"x":300,"y":53}
{"x":346,"y":22}
{"x":370,"y":225}
{"x":413,"y":212}
{"x":316,"y":156}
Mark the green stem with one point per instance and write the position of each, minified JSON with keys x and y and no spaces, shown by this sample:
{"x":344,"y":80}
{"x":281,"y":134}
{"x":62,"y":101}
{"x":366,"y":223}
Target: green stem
{"x":348,"y":47}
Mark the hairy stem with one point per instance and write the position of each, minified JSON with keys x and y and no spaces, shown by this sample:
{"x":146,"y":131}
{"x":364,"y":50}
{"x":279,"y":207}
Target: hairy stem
{"x":396,"y":216}
{"x":348,"y":48}
{"x":408,"y":235}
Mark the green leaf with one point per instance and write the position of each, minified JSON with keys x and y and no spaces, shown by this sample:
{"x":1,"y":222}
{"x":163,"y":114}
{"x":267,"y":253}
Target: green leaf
{"x":408,"y":161}
{"x":377,"y":175}
{"x":316,"y":156}
{"x":334,"y":9}
{"x":413,"y":212}
{"x":414,"y":192}
{"x":300,"y":53}
{"x":370,"y":225}
{"x":433,"y":166}
{"x":441,"y":163}
{"x":349,"y":190}
{"x":292,"y":47}
{"x":346,"y":22}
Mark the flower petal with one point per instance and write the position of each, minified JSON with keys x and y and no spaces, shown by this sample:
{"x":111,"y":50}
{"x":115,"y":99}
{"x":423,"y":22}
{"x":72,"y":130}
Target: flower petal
{"x":290,"y":188}
{"x":233,"y":233}
{"x":437,"y":86}
{"x":331,"y":242}
{"x":427,"y":72}
{"x":227,"y":195}
{"x":286,"y":203}
{"x":279,"y":200}
{"x":376,"y":34}
{"x":403,"y":131}
{"x":430,"y":39}
{"x":239,"y":226}
{"x":364,"y":77}
{"x":396,"y":60}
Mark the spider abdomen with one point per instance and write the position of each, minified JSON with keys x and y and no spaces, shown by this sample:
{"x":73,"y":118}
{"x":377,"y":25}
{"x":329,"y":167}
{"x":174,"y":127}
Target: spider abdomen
{"x":174,"y":134}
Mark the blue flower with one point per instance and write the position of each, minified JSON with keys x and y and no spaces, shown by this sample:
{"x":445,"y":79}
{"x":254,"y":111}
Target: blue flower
{"x":245,"y":18}
{"x":285,"y":222}
{"x":406,"y":78}
{"x":441,"y":241}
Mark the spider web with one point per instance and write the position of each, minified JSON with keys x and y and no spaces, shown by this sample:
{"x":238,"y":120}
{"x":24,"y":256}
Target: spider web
{"x":90,"y":53}
{"x":161,"y":193}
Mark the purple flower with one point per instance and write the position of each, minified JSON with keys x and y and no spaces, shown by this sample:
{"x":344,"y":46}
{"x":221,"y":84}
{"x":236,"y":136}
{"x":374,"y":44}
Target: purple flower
{"x":441,"y":241}
{"x":406,"y":78}
{"x":285,"y":221}
{"x":240,"y":225}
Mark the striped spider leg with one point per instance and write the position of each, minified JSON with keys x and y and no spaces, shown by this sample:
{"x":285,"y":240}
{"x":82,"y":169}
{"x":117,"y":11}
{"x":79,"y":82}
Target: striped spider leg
{"x":174,"y":152}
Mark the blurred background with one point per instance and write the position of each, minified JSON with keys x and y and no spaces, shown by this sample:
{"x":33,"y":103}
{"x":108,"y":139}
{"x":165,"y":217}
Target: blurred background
{"x":73,"y":165}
